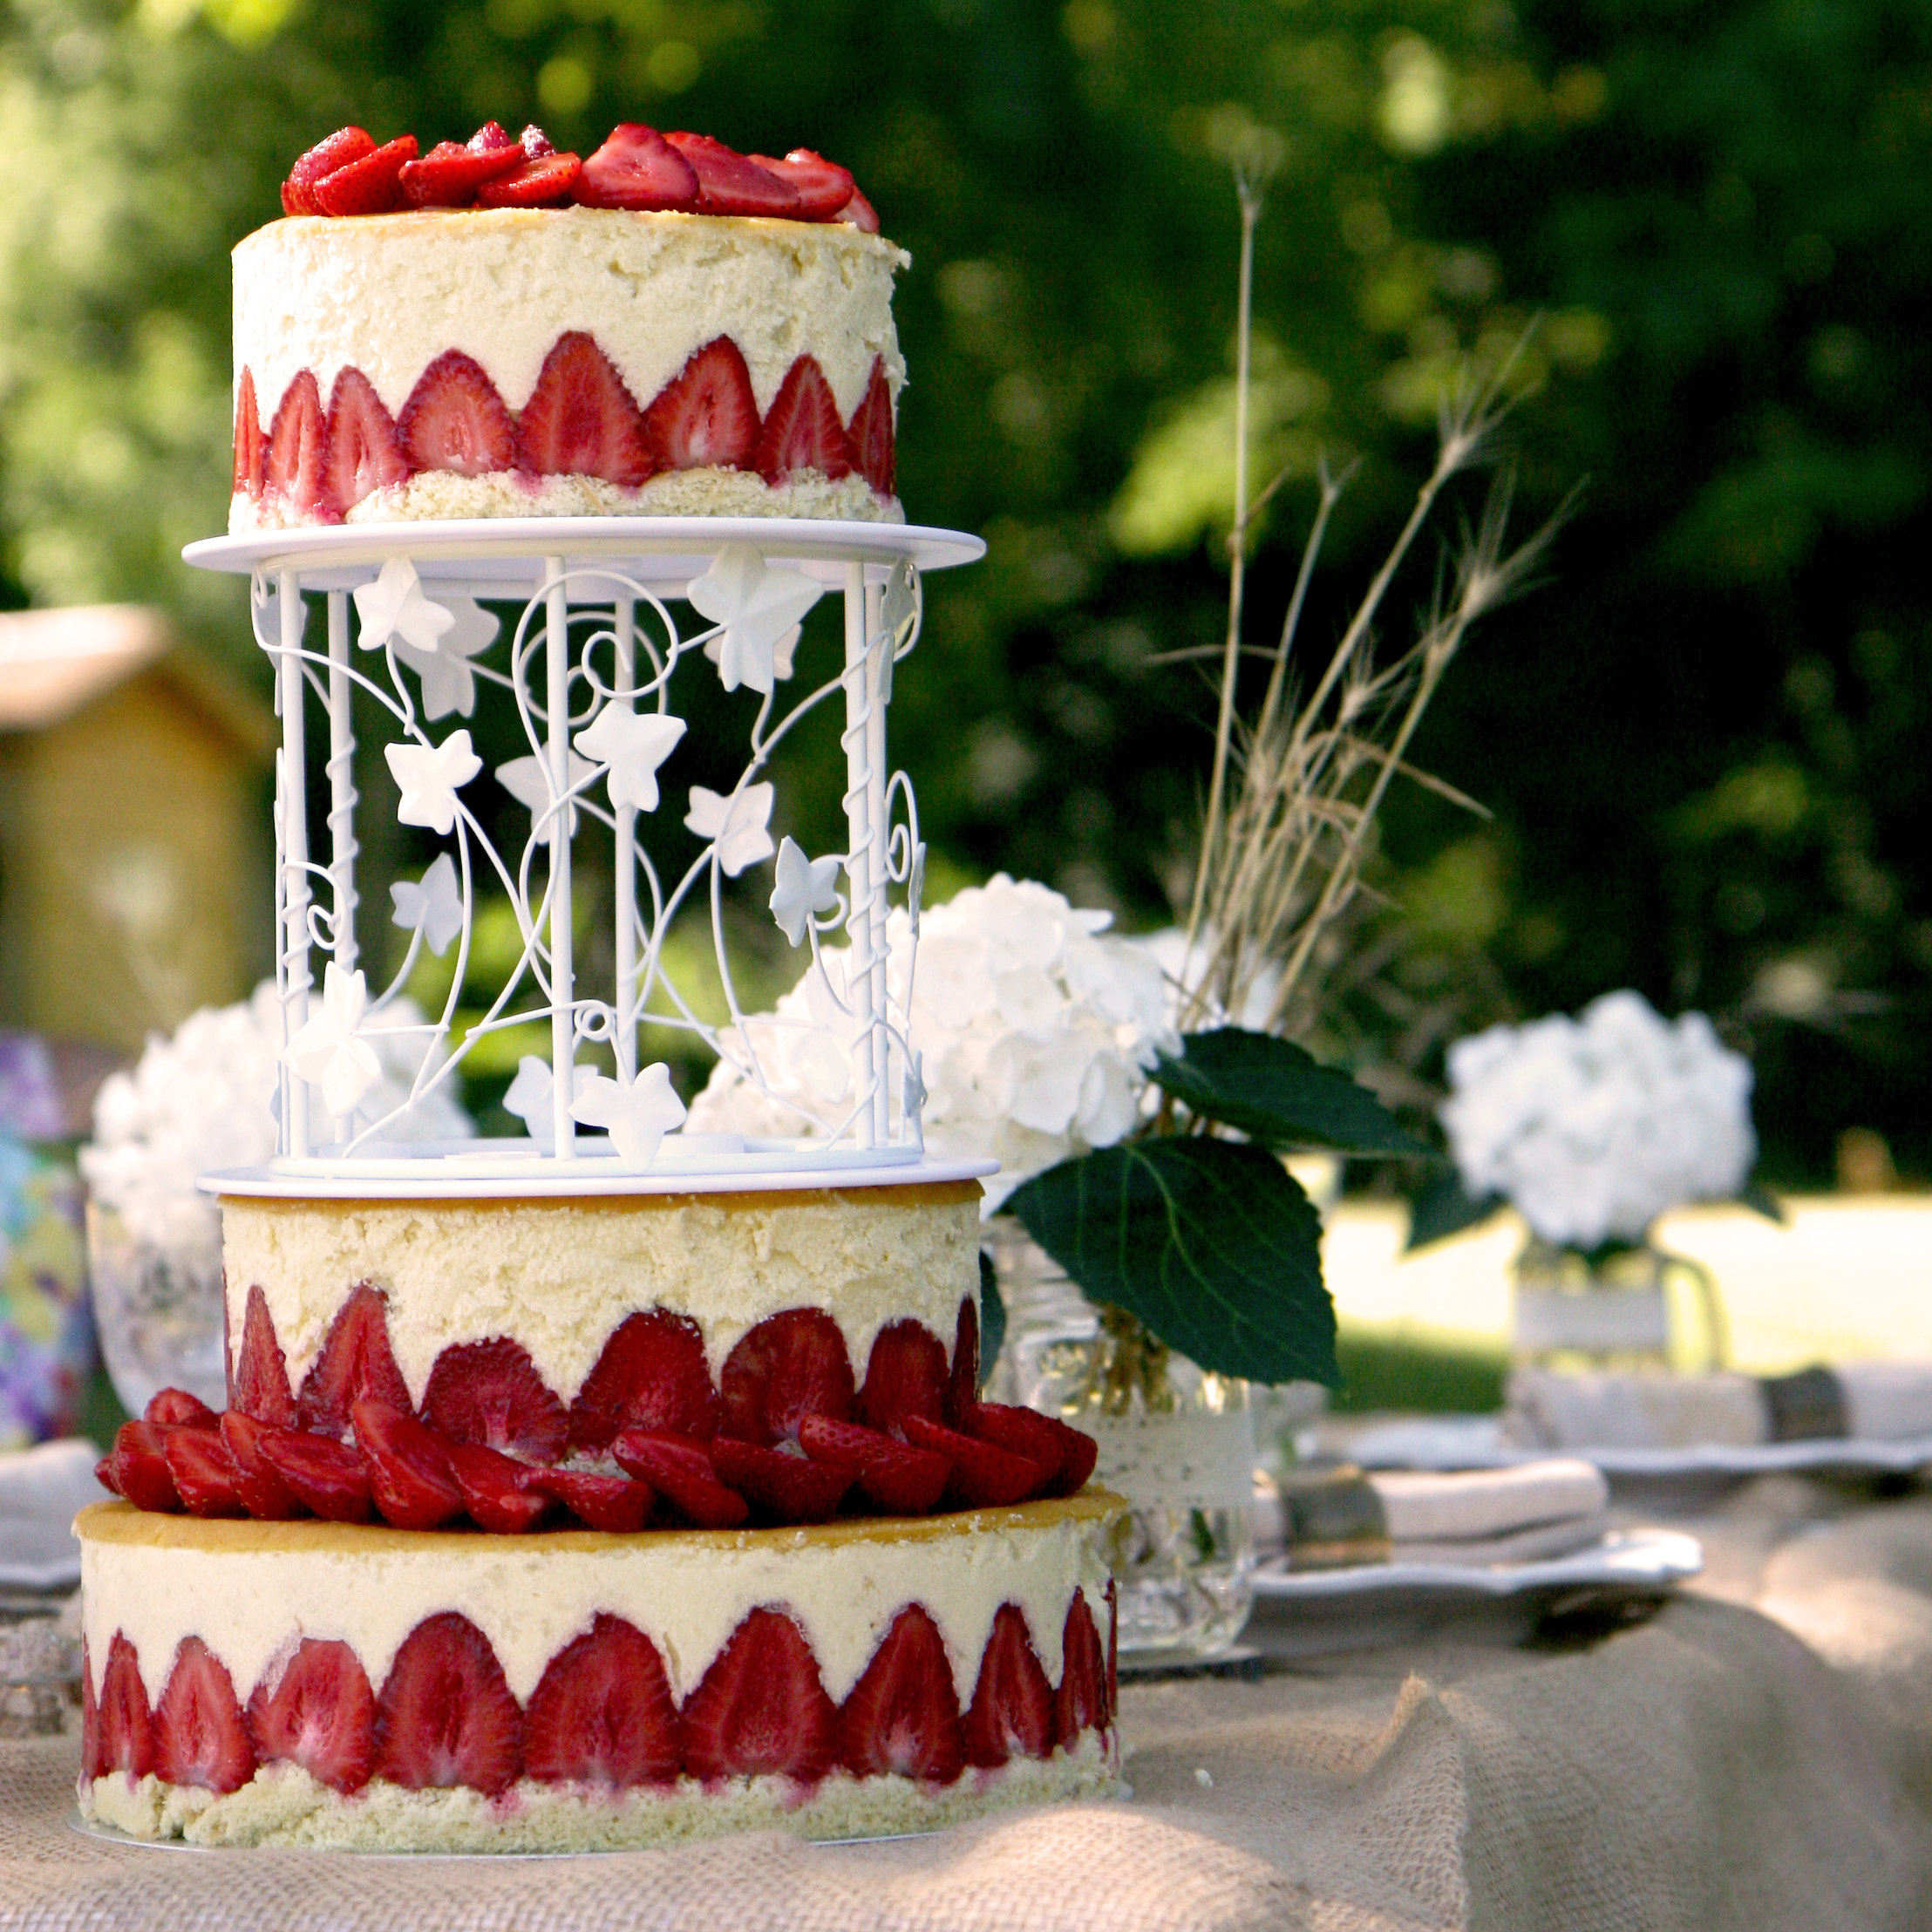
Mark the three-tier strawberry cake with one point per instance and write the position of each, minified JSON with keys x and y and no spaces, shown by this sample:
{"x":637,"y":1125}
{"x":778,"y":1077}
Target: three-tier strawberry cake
{"x":665,"y":329}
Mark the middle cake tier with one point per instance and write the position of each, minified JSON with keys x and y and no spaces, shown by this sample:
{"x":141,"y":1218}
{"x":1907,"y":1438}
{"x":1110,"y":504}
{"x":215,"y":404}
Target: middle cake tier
{"x":570,"y":1307}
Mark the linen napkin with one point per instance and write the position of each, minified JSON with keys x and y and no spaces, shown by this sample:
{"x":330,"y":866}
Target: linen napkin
{"x":1872,"y":1401}
{"x":40,"y":1491}
{"x":1338,"y":1516}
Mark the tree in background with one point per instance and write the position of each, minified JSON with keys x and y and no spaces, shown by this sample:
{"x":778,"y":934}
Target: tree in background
{"x":1700,"y":740}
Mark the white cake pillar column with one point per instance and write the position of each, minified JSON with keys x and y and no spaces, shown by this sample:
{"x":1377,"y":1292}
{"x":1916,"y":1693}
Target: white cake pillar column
{"x":624,"y":630}
{"x":860,"y":868}
{"x":556,"y":659}
{"x":879,"y":683}
{"x":342,"y":805}
{"x":295,"y":978}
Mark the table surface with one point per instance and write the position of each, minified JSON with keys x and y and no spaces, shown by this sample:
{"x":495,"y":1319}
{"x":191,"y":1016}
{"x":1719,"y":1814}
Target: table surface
{"x":1756,"y":1753}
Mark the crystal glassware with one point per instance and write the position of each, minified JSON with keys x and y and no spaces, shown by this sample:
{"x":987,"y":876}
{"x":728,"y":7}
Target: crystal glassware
{"x":155,"y":1265}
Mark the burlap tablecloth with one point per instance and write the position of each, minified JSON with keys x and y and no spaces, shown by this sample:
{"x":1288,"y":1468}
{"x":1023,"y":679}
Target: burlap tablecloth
{"x":1758,"y":1755}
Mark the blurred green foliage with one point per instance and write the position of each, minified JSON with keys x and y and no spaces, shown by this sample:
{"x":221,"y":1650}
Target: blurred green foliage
{"x":1698,"y":738}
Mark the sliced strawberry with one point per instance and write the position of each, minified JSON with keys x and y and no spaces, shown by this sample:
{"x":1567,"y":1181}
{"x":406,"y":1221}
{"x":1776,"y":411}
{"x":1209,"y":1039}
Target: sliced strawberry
{"x":874,"y":454}
{"x":104,"y":1473}
{"x":455,"y":420}
{"x":540,"y":182}
{"x":344,"y":146}
{"x":204,"y":1472}
{"x":259,"y":1385}
{"x":580,"y":420}
{"x":296,"y":467}
{"x":320,"y":1713}
{"x":329,"y":1477}
{"x":250,"y":449}
{"x":790,"y":1366}
{"x":491,"y":1392}
{"x":445,"y":1715}
{"x":822,"y":187}
{"x":141,"y":1473}
{"x":905,"y":1376}
{"x":963,"y":1388}
{"x":902,"y":1716}
{"x":761,"y":1707}
{"x":859,"y":212}
{"x":356,"y":1361}
{"x":802,"y":428}
{"x":497,"y":1494}
{"x":1012,"y":1712}
{"x":706,"y":415}
{"x":92,"y":1763}
{"x":409,"y":1475}
{"x":898,"y":1478}
{"x":602,"y":1712}
{"x":783,"y":1483}
{"x":1113,"y":1649}
{"x":176,"y":1408}
{"x":1066,"y":1455}
{"x":448,"y":176}
{"x":199,"y":1736}
{"x":651,"y":1375}
{"x":636,"y":167}
{"x":1080,"y":1704}
{"x":614,"y":1503}
{"x":534,"y":142}
{"x":983,"y":1477}
{"x":679,"y":1468}
{"x":489,"y":138}
{"x":372,"y":185}
{"x":363,"y":453}
{"x":127,"y":1725}
{"x":731,"y":183}
{"x":264,"y":1495}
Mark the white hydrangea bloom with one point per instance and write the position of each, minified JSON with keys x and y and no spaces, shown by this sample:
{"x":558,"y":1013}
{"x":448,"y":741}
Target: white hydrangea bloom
{"x":1035,"y":1034}
{"x":1593,"y":1127}
{"x":203,"y":1098}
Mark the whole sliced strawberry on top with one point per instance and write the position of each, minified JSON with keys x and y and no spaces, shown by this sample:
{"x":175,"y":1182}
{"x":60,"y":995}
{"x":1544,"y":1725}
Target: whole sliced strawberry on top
{"x":680,"y":1469}
{"x":336,"y":151}
{"x":983,"y":1476}
{"x":139,"y":1469}
{"x":179,"y":1408}
{"x":264,"y":1494}
{"x":822,"y":187}
{"x":204,"y":1473}
{"x":370,"y":186}
{"x":731,"y":183}
{"x":602,"y":1713}
{"x":636,"y":167}
{"x":784,"y":1484}
{"x":618,"y":1504}
{"x":449,"y":175}
{"x":329,"y":1477}
{"x":498,"y":1494}
{"x":319,"y":1713}
{"x":891,"y":1474}
{"x":539,"y":181}
{"x":410,"y":1478}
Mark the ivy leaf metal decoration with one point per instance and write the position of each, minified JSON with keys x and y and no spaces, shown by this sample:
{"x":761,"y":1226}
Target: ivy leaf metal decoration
{"x":756,"y":605}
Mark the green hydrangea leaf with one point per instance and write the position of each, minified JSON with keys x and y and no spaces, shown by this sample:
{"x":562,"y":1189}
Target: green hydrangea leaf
{"x":1211,"y":1244}
{"x":1280,"y":1094}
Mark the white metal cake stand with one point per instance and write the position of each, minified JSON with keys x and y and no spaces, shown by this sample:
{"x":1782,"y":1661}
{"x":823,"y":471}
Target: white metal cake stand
{"x":600,"y":672}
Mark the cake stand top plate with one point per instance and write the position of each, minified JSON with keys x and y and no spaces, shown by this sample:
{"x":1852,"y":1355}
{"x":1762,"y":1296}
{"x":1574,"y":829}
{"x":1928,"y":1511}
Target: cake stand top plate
{"x":501,"y":557}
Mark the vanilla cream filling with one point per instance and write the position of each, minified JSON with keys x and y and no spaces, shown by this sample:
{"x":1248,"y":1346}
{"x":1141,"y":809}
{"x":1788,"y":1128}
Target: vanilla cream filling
{"x":252,"y":1591}
{"x":559,"y":1277}
{"x":388,"y":294}
{"x":439,"y":495}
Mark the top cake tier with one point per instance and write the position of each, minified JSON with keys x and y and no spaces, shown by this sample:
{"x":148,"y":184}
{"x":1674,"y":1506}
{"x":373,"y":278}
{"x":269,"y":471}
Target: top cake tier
{"x":562,"y":361}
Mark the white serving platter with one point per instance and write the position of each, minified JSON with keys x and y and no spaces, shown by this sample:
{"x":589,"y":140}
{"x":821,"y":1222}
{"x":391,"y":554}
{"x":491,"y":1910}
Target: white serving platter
{"x":1477,"y":1442}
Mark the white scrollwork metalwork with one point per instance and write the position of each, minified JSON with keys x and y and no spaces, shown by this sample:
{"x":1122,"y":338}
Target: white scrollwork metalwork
{"x":592,"y":664}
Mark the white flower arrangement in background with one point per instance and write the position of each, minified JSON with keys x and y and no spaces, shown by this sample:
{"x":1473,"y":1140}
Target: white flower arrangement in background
{"x":1032,"y":1034}
{"x":203,"y":1099}
{"x":1593,"y":1127}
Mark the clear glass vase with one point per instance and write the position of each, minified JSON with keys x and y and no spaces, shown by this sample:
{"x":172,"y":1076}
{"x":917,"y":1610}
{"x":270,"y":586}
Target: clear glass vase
{"x":1628,"y":1308}
{"x":1176,"y":1440}
{"x":155,"y":1268}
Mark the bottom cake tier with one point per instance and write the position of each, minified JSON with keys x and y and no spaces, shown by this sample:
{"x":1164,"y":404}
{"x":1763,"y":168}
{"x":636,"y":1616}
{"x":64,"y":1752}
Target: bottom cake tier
{"x":352,"y":1686}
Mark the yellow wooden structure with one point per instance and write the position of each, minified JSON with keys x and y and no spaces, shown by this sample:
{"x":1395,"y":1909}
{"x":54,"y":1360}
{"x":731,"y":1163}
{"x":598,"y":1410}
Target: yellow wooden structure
{"x":133,"y":795}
